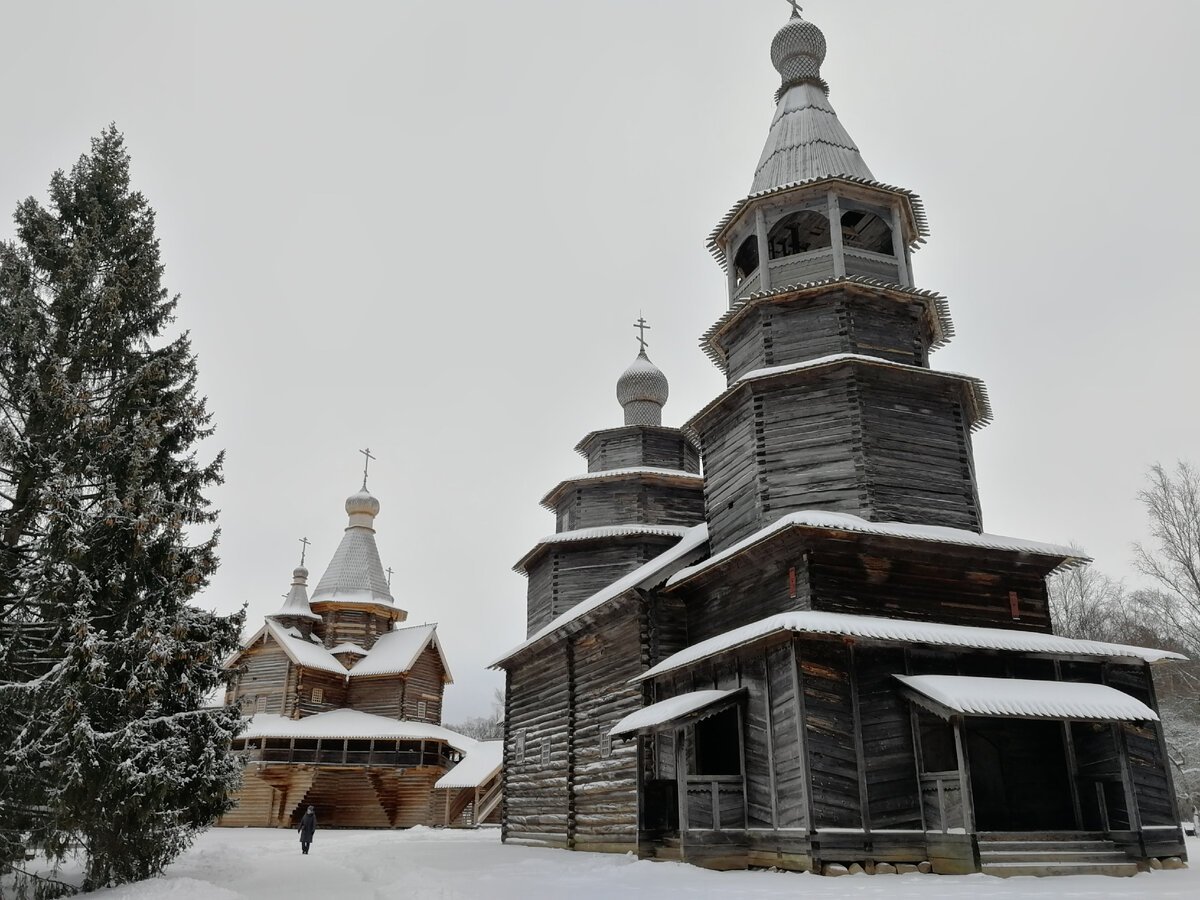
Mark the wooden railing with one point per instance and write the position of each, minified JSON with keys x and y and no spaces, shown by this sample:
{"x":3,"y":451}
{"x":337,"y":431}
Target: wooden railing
{"x":716,"y":802}
{"x":942,"y":801}
{"x":402,"y":754}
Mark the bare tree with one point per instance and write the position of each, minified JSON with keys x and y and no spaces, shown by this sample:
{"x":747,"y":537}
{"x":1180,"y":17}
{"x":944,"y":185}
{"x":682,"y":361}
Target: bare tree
{"x":1085,"y":603}
{"x":1172,"y":502}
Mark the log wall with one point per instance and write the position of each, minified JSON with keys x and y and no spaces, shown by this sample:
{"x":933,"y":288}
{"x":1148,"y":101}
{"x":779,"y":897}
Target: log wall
{"x":267,"y":670}
{"x":629,"y":500}
{"x":639,"y":445}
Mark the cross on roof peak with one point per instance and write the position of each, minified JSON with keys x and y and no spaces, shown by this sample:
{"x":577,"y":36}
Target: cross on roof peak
{"x":366,"y":462}
{"x":389,"y":575}
{"x":641,"y":326}
{"x":796,"y":9}
{"x":304,"y":542}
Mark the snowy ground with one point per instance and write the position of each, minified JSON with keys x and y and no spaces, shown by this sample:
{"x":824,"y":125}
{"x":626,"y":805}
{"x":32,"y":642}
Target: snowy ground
{"x":266,"y":864}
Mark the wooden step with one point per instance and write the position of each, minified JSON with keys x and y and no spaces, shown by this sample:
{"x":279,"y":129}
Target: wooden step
{"x":1083,"y":855}
{"x":1009,"y":869}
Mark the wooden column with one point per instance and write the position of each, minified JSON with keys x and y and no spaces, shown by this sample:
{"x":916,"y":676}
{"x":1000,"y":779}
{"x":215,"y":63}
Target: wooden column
{"x":731,"y":270}
{"x":835,"y":236}
{"x":764,"y":267}
{"x":964,"y":777}
{"x":898,"y":247}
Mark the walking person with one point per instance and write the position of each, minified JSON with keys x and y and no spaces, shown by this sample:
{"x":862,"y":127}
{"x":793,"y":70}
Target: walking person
{"x":308,"y":824}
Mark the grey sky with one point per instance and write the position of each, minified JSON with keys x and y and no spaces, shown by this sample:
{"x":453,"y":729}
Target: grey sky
{"x":427,"y":228}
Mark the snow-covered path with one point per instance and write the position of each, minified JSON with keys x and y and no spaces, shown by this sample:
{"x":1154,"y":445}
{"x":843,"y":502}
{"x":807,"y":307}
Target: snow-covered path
{"x":265,"y":864}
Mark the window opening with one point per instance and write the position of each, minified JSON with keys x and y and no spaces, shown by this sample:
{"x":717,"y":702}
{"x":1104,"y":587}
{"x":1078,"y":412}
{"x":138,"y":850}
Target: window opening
{"x":799,"y":232}
{"x":866,"y":231}
{"x":318,"y":695}
{"x":745,"y":261}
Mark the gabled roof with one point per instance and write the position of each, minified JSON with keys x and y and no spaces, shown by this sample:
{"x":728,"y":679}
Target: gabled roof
{"x":806,"y":141}
{"x":678,"y":710}
{"x":1023,"y":698}
{"x":397,"y":652}
{"x":691,"y":545}
{"x":816,"y":520}
{"x":480,"y":765}
{"x":304,"y":652}
{"x":352,"y":724}
{"x":902,"y":631}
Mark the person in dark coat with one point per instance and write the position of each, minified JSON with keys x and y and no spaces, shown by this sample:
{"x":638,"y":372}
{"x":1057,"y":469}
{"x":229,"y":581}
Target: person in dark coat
{"x":308,"y":824}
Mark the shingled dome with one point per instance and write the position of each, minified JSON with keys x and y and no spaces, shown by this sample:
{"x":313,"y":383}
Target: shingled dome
{"x":642,"y":391}
{"x":798,"y":51}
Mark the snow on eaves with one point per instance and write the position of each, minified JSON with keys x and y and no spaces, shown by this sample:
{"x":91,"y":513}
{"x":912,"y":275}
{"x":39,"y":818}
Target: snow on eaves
{"x":936,"y":534}
{"x":397,"y":651}
{"x":646,"y":575}
{"x":305,"y":653}
{"x":973,"y":695}
{"x":934,"y":634}
{"x":480,"y":765}
{"x":599,"y":532}
{"x":979,"y":407}
{"x":669,"y":709}
{"x":352,"y":724}
{"x":607,"y":474}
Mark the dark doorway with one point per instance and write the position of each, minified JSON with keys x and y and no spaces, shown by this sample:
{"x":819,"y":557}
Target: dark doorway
{"x":1019,"y":778}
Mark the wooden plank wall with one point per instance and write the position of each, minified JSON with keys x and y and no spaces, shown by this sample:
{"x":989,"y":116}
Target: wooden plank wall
{"x":1152,"y":782}
{"x":829,"y":729}
{"x":379,"y":695}
{"x":266,"y":674}
{"x":535,"y":794}
{"x":630,"y":500}
{"x":354,"y":625}
{"x":964,"y":587}
{"x":916,"y":447}
{"x":604,"y":789}
{"x":754,"y":585}
{"x":781,"y":333}
{"x":641,"y":445}
{"x":426,"y":681}
{"x":893,"y":796}
{"x":300,"y":700}
{"x":731,"y":475}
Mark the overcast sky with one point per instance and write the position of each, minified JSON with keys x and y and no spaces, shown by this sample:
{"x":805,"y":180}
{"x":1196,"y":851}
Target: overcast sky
{"x":427,"y":226}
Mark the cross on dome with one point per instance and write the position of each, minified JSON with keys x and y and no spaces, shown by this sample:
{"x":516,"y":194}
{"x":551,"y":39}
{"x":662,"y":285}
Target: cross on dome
{"x":641,"y":326}
{"x":304,"y":542}
{"x":366,"y":462}
{"x":796,"y":9}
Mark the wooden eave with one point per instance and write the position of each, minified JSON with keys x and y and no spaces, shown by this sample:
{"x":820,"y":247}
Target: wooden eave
{"x":913,"y":218}
{"x":522,"y":565}
{"x":811,"y":537}
{"x":978,"y":408}
{"x":936,"y":309}
{"x":550,"y":501}
{"x":585,"y":442}
{"x":580,"y":623}
{"x":395,"y":613}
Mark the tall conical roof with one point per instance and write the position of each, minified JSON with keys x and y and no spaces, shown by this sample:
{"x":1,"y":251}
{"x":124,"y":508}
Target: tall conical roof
{"x":296,"y":603}
{"x":355,"y":574}
{"x":806,"y":139}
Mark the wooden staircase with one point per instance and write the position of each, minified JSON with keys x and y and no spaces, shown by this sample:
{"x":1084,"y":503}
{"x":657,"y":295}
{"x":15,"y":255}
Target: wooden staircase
{"x":1005,"y":854}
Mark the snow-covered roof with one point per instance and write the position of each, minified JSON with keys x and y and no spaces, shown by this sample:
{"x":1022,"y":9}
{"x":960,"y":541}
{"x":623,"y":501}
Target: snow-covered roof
{"x":304,"y":652}
{"x":636,"y":529}
{"x":480,"y":764}
{"x":935,"y":534}
{"x":935,"y":634}
{"x":397,"y":651}
{"x":296,"y":602}
{"x":354,"y":725}
{"x":669,"y":710}
{"x":615,"y":474}
{"x":645,"y":575}
{"x":355,"y":574}
{"x":980,"y":411}
{"x":972,"y":695}
{"x":347,"y":647}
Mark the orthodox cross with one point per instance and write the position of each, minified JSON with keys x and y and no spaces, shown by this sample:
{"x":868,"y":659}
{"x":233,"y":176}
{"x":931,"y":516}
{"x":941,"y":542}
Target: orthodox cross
{"x":366,"y":462}
{"x":389,"y":571}
{"x":304,"y":542}
{"x":641,"y":326}
{"x":796,"y":8}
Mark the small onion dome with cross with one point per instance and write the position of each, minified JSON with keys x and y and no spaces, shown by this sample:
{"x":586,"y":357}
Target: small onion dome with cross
{"x":798,"y":51}
{"x":642,"y":391}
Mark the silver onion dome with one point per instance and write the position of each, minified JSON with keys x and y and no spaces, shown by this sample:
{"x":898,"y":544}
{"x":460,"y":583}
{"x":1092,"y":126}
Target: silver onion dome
{"x":798,"y":51}
{"x":642,"y":391}
{"x":362,"y":503}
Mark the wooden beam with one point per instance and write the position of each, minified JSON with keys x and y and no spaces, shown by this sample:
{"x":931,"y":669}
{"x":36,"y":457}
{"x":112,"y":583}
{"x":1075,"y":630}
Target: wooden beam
{"x":835,"y":235}
{"x":764,"y":256}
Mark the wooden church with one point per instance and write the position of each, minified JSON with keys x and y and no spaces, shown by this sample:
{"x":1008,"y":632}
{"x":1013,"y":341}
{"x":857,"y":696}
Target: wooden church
{"x":345,"y":707}
{"x":813,"y":656}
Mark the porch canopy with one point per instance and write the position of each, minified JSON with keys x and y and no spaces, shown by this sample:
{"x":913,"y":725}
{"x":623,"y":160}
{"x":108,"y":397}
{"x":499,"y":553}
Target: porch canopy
{"x":1022,"y":698}
{"x":676,"y":712}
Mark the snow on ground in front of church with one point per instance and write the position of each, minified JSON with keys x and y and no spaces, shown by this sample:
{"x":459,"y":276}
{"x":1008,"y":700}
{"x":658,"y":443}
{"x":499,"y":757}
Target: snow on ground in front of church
{"x":434,"y":864}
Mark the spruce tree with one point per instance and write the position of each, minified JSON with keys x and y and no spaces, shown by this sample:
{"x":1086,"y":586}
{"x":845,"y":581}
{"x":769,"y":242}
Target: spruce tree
{"x":105,"y":538}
